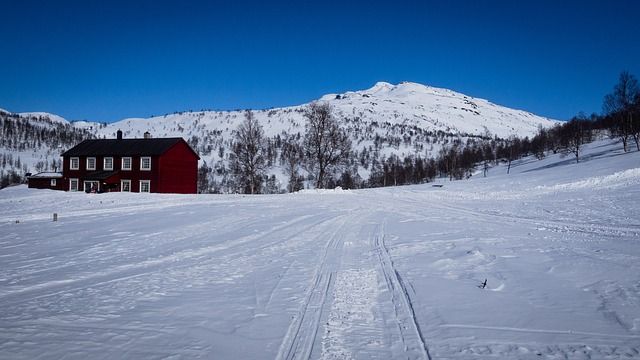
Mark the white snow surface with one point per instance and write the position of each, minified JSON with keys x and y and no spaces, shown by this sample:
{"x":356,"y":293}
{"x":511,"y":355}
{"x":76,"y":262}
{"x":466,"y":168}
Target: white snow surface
{"x":390,"y":273}
{"x":47,"y":175}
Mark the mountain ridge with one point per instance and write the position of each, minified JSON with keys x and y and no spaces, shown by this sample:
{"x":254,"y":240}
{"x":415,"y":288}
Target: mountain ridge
{"x":404,"y":120}
{"x":411,"y":92}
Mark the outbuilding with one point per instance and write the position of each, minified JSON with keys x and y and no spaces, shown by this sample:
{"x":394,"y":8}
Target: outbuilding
{"x":46,"y":180}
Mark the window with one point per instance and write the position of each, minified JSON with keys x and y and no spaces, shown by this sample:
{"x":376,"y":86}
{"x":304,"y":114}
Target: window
{"x":108,"y":163}
{"x":75,"y":163}
{"x":145,"y":185}
{"x":91,"y":163}
{"x":145,"y":163}
{"x":125,"y":185}
{"x":91,"y":186}
{"x":126,"y":163}
{"x":53,"y":182}
{"x":73,"y":184}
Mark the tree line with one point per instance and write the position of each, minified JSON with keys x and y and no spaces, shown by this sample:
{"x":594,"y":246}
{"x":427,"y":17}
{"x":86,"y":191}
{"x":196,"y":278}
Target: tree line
{"x":19,"y":134}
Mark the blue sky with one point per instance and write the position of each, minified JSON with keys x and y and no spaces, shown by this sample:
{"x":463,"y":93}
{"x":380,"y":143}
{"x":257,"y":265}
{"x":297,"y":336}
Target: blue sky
{"x":107,"y":60}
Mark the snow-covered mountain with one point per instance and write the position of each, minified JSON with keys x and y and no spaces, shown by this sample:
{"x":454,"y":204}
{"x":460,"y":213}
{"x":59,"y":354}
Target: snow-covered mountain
{"x":406,"y":105}
{"x":403,"y":119}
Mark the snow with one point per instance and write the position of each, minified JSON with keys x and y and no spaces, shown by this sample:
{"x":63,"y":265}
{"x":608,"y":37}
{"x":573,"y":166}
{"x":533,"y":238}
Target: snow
{"x":47,"y":175}
{"x":389,"y":273}
{"x":52,"y":117}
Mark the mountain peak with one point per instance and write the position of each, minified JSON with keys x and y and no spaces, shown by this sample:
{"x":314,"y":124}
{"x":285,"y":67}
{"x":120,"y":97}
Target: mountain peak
{"x":380,"y":86}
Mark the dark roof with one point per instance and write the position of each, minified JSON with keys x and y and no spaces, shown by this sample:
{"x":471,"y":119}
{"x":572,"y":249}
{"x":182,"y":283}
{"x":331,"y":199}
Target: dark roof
{"x":99,"y":175}
{"x":124,"y":147}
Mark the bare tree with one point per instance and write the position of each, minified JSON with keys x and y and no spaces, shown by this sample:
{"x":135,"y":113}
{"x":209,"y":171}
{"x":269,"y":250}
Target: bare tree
{"x":293,"y":156}
{"x":635,"y":121}
{"x":619,"y":104}
{"x":248,"y":162}
{"x":513,"y":149}
{"x":204,"y":172}
{"x":326,"y":145}
{"x":574,"y":134}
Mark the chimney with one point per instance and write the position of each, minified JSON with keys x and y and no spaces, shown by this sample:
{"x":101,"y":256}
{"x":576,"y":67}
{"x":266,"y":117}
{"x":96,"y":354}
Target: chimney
{"x":119,"y":134}
{"x":147,"y":135}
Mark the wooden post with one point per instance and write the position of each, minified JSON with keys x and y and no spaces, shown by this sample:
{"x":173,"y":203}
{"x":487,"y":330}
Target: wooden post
{"x":55,"y":216}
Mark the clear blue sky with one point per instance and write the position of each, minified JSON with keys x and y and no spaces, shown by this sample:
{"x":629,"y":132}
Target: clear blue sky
{"x":106,"y":60}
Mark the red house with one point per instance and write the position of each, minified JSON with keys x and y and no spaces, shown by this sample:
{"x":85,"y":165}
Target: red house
{"x":162,"y":165}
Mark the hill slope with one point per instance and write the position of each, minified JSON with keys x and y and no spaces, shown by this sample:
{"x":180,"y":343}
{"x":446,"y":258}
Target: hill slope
{"x":404,"y":119}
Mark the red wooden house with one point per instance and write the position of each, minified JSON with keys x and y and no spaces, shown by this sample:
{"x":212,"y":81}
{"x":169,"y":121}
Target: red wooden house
{"x":162,"y":165}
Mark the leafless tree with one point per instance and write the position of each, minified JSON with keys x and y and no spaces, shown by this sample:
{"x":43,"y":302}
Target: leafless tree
{"x":574,"y":134}
{"x":620,"y":105}
{"x":293,"y":156}
{"x":248,"y":162}
{"x":326,"y":144}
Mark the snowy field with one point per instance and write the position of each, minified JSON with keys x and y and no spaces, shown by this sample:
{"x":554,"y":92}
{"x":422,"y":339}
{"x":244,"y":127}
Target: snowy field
{"x":374,"y":274}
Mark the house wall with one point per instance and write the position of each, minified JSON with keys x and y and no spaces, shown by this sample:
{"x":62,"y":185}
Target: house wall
{"x":135,"y":174}
{"x":45,"y":183}
{"x":175,"y":171}
{"x":178,"y":170}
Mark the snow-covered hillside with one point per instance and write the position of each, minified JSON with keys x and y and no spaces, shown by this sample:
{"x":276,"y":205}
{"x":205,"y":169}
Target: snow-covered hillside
{"x":407,"y":119}
{"x":406,"y":104}
{"x":389,"y":273}
{"x":402,"y":116}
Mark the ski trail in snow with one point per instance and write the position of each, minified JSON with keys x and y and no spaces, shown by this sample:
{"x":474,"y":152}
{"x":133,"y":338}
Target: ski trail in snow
{"x":185,"y":258}
{"x":371,"y":316}
{"x":299,"y":340}
{"x":354,"y":327}
{"x":351,"y":319}
{"x":410,"y":333}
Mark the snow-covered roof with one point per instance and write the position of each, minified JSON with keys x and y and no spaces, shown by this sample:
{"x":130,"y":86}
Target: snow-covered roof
{"x":47,"y":175}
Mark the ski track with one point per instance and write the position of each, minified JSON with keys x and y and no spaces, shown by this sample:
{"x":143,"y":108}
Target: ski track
{"x":184,"y":258}
{"x":357,"y":302}
{"x":413,"y":341}
{"x":299,"y":340}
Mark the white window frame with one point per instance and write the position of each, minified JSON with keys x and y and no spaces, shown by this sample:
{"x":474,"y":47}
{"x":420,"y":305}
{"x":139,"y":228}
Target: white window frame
{"x":142,"y":159}
{"x":122,"y":182}
{"x":148,"y":182}
{"x":71,"y":181}
{"x":122,"y":167}
{"x":104,"y":163}
{"x":94,"y":163}
{"x":77,"y":162}
{"x":52,"y":182}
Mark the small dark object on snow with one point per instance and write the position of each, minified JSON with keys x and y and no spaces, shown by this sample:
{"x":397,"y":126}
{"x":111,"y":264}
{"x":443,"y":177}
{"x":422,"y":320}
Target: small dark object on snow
{"x":437,"y":185}
{"x":483,"y":285}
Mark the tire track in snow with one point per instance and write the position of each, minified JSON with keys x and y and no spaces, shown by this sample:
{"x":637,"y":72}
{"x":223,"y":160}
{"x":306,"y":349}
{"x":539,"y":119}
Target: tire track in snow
{"x":589,"y":228}
{"x":410,"y":333}
{"x":413,"y":206}
{"x":301,"y":335}
{"x":183,"y":258}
